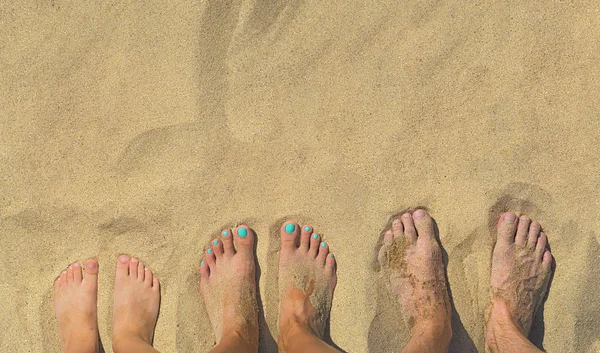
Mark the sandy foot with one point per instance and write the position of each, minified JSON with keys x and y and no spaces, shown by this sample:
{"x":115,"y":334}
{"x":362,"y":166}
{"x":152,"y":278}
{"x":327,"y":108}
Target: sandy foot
{"x":307,"y":279}
{"x":521,"y":269}
{"x":228,"y":285}
{"x":75,"y":298}
{"x":137,"y":296}
{"x":411,"y":259}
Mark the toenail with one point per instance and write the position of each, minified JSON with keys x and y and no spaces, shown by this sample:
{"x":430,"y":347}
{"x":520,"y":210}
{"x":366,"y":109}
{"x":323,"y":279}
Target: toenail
{"x":76,"y":264}
{"x":290,"y":228}
{"x":307,"y":229}
{"x":123,"y":259}
{"x":419,"y":214}
{"x":331,"y":256}
{"x":510,"y":217}
{"x":64,"y":272}
{"x":315,"y":236}
{"x":225,"y":233}
{"x":242,"y":232}
{"x":216,"y":242}
{"x":323,"y":244}
{"x":90,"y":265}
{"x":209,"y":251}
{"x":202,"y":263}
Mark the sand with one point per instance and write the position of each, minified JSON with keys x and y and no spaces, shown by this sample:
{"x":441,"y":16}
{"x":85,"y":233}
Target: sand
{"x":146,"y":127}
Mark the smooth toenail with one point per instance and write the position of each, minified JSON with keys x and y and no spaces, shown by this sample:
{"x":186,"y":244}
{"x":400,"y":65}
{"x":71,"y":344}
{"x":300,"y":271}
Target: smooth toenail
{"x":406,"y":215}
{"x":225,"y":233}
{"x":202,"y":263}
{"x":510,"y":217}
{"x":90,"y":265}
{"x":216,"y":242}
{"x":76,"y":264}
{"x":64,"y":272}
{"x":123,"y":259}
{"x":290,"y":228}
{"x":323,"y":244}
{"x":315,"y":236}
{"x":331,"y":256}
{"x":242,"y":232}
{"x":419,"y":214}
{"x":209,"y":251}
{"x":307,"y":229}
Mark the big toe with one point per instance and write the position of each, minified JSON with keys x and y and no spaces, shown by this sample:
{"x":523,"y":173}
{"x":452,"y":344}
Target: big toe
{"x":123,"y":266}
{"x":507,"y":227}
{"x":290,"y":232}
{"x":90,"y":280}
{"x":424,"y":225}
{"x":244,"y":240}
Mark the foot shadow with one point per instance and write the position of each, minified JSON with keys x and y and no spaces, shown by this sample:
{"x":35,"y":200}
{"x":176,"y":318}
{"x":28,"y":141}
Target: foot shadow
{"x":388,"y":331}
{"x":272,"y":298}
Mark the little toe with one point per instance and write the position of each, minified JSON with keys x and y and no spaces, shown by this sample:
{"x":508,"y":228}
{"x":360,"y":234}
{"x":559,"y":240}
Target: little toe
{"x":547,"y":260}
{"x":217,"y":247}
{"x":305,"y":235}
{"x":290,"y":232}
{"x":410,"y":232}
{"x":540,"y":247}
{"x":63,"y":278}
{"x":148,"y":277}
{"x":244,"y":240}
{"x":507,"y":226}
{"x":204,"y":273}
{"x":388,"y":237}
{"x":210,"y":259}
{"x":141,"y":272}
{"x":323,"y":252}
{"x":397,"y":228}
{"x":123,"y":266}
{"x":227,"y":242}
{"x":315,"y":242}
{"x":534,"y":232}
{"x":522,"y":230}
{"x":133,"y":267}
{"x":155,"y":284}
{"x":423,"y":225}
{"x":77,"y":276}
{"x":330,"y":264}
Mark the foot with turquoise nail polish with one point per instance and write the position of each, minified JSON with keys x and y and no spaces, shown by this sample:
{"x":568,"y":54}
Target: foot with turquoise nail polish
{"x":228,"y":286}
{"x":307,"y":279}
{"x":412,"y":266}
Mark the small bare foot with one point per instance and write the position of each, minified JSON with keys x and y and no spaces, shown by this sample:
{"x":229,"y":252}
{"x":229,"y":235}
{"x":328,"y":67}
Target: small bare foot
{"x":228,"y":285}
{"x":137,"y":296}
{"x":75,"y":298}
{"x":412,"y":260}
{"x":307,"y":279}
{"x":521,"y":269}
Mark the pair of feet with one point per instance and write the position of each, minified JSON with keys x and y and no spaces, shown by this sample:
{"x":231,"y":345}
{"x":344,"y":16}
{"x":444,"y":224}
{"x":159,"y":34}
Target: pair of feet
{"x":410,"y":259}
{"x":307,"y":280}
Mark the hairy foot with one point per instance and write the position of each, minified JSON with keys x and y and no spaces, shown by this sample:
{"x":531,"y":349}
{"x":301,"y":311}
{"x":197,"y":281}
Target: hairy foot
{"x":75,"y":298}
{"x":521,"y":269}
{"x":228,"y":285}
{"x":307,"y":279}
{"x":137,"y":296}
{"x":411,"y":259}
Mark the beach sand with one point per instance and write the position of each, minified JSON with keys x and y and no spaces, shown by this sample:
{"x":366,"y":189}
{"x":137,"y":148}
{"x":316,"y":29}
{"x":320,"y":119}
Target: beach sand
{"x":144,"y":128}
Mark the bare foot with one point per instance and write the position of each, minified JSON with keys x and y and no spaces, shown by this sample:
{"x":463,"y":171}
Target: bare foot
{"x":307,"y":279}
{"x":137,"y":295}
{"x":521,"y":269}
{"x":75,"y":298}
{"x":412,"y":260}
{"x":228,"y":284}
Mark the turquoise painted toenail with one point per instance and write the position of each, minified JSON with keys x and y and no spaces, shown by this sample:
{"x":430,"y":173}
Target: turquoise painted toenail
{"x":331,"y":256}
{"x":225,"y":233}
{"x":307,"y":229}
{"x":209,"y":251}
{"x":242,"y":232}
{"x":323,"y":244}
{"x":290,"y":228}
{"x":315,"y":236}
{"x":202,"y":263}
{"x":216,"y":242}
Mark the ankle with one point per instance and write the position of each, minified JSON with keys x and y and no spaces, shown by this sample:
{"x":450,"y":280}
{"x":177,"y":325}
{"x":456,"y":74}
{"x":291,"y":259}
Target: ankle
{"x":127,"y":341}
{"x":291,"y":331}
{"x":502,"y":327}
{"x":239,"y":338}
{"x":437,"y":333}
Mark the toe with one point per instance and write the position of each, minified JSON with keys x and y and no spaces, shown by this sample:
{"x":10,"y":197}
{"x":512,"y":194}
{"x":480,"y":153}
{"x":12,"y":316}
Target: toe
{"x":70,"y":275}
{"x":423,"y":225}
{"x":540,"y":247}
{"x":217,"y":247}
{"x":133,"y":267}
{"x":141,"y":272}
{"x":305,"y":235}
{"x":507,"y":226}
{"x":227,"y":242}
{"x":148,"y":277}
{"x":63,"y":279}
{"x":410,"y":233}
{"x":290,"y":232}
{"x":210,"y":259}
{"x":57,"y":285}
{"x":522,"y":230}
{"x":547,"y":259}
{"x":315,"y":242}
{"x":388,"y":237}
{"x":155,"y":284}
{"x":397,"y":228}
{"x":330,"y":265}
{"x":322,"y":254}
{"x":90,"y":280}
{"x":244,"y":240}
{"x":204,"y":271}
{"x":77,"y":276}
{"x":534,"y":232}
{"x":123,"y":266}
